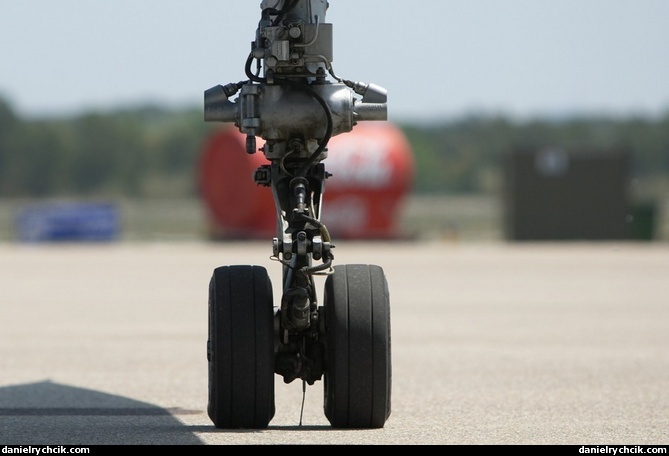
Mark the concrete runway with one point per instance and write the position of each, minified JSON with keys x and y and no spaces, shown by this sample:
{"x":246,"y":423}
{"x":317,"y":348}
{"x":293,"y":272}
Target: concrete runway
{"x":493,"y":343}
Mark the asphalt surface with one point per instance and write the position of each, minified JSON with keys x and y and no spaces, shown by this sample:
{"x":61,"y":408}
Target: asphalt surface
{"x":493,"y":343}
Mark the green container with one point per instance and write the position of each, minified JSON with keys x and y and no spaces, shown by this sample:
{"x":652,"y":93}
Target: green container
{"x":643,"y":223}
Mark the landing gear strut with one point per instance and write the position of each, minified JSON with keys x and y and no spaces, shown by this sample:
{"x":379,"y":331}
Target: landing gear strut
{"x":344,"y":339}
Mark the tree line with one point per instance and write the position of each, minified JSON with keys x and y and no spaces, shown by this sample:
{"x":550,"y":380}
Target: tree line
{"x":153,"y":151}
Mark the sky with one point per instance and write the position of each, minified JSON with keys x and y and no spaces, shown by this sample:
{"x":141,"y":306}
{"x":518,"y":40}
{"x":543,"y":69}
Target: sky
{"x":438,"y":59}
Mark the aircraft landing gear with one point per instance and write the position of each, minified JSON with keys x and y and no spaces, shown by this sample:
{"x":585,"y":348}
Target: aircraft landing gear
{"x":345,"y":339}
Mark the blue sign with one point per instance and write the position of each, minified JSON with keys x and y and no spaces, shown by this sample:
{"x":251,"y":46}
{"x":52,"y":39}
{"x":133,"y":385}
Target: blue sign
{"x":68,"y":222}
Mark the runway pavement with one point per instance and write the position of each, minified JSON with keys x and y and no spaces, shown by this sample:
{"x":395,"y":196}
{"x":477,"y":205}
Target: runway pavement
{"x":492,"y":343}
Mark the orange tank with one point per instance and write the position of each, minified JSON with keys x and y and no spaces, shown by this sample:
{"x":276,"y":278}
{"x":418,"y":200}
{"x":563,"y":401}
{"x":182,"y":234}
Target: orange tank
{"x":372,"y":171}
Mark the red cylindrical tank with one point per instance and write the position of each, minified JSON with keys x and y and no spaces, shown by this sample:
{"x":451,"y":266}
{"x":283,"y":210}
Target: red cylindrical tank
{"x":372,"y":171}
{"x":236,"y":206}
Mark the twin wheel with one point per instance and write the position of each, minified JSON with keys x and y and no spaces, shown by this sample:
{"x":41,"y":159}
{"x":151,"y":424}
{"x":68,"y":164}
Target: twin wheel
{"x":242,"y":342}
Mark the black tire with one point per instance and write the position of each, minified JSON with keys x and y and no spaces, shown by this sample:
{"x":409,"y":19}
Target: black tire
{"x":358,"y":373}
{"x":240,"y":349}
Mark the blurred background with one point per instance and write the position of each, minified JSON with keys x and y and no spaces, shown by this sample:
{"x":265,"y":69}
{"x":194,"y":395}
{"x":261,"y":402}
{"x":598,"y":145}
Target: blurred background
{"x":509,"y":121}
